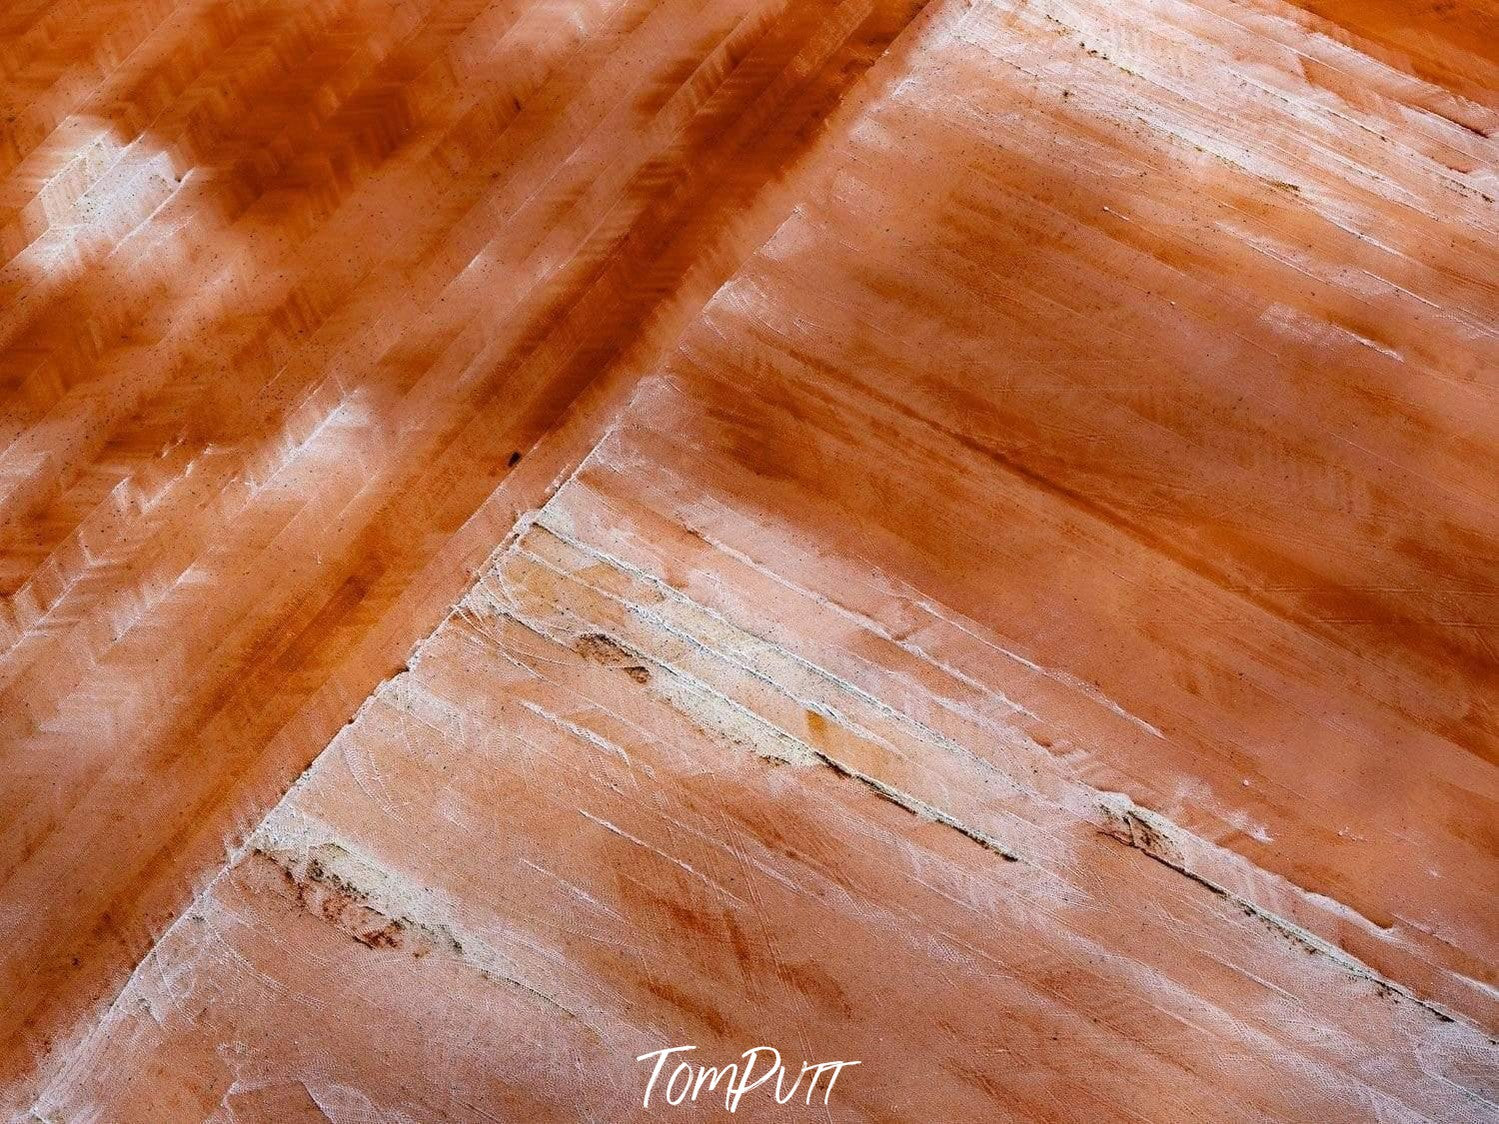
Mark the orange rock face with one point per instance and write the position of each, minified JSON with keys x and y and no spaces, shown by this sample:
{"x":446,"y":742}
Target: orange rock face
{"x":959,"y":537}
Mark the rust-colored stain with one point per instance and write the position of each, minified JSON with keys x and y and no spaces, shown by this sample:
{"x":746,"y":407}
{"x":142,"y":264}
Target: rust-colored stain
{"x":957,"y":535}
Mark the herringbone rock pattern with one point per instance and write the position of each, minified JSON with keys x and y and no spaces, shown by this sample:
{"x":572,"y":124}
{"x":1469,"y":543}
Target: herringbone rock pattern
{"x":1069,"y":422}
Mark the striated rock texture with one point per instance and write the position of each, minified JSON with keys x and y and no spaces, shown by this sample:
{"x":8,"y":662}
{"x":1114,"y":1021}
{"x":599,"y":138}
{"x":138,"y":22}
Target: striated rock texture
{"x":972,"y":526}
{"x":293,"y":290}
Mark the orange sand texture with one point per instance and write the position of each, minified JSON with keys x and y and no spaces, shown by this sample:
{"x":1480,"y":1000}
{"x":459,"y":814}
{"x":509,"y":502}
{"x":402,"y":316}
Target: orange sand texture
{"x":957,"y":534}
